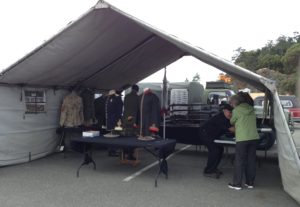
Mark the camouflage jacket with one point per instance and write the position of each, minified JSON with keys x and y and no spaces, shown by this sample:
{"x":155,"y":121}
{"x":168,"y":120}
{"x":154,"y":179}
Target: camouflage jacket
{"x":71,"y":111}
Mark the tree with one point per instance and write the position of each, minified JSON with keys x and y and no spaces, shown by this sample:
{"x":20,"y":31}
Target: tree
{"x":248,"y":59}
{"x":196,"y":77}
{"x":282,"y":44}
{"x":286,"y":83}
{"x":277,"y":60}
{"x":291,"y":58}
{"x":268,"y":56}
{"x":270,"y":61}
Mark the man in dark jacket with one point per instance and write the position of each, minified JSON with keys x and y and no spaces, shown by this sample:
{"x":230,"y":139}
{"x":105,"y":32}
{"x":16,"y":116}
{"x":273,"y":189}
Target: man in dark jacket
{"x":211,"y":130}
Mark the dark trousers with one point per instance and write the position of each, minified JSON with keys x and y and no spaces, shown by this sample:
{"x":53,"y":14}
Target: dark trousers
{"x":215,"y":153}
{"x":245,"y":158}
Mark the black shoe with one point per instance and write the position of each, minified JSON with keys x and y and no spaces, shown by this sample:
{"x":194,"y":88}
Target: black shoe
{"x":234,"y":187}
{"x":249,"y":186}
{"x":218,"y":172}
{"x":212,"y":175}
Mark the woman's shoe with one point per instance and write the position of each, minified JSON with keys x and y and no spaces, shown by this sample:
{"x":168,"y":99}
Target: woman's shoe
{"x":234,"y":187}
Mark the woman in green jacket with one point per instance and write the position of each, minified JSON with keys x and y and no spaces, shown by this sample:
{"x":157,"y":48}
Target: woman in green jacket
{"x":244,"y":121}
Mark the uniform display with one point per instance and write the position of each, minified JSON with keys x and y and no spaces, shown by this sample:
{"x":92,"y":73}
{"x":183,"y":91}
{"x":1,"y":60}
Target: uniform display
{"x":100,"y":111}
{"x":149,"y":112}
{"x":114,"y":109}
{"x":71,"y":111}
{"x":131,"y":109}
{"x":87,"y":96}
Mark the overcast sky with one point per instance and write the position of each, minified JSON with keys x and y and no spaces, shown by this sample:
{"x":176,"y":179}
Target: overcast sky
{"x":217,"y":26}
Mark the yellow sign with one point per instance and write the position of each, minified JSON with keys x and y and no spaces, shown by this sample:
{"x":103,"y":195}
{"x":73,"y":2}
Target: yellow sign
{"x":225,"y":78}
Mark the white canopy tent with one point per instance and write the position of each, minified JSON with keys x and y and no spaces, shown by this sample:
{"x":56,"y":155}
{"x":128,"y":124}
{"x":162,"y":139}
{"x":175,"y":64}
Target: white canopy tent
{"x":105,"y":49}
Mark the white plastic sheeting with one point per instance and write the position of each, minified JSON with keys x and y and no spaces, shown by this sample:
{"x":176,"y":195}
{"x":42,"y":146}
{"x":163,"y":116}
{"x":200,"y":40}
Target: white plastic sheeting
{"x":104,"y":49}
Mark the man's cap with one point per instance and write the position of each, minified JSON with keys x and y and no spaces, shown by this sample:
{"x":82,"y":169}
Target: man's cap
{"x":226,"y":106}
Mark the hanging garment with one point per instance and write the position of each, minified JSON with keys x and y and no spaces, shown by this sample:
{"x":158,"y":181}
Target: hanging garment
{"x":99,"y":105}
{"x":149,"y":112}
{"x":114,"y":109}
{"x":131,"y":108}
{"x":131,"y":114}
{"x":71,"y":111}
{"x":88,"y":106}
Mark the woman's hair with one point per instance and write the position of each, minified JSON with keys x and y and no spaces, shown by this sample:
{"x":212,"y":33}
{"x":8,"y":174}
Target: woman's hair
{"x":241,"y":97}
{"x":246,"y":98}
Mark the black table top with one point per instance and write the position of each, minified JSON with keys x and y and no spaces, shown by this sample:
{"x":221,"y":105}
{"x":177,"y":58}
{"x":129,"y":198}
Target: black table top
{"x":126,"y":142}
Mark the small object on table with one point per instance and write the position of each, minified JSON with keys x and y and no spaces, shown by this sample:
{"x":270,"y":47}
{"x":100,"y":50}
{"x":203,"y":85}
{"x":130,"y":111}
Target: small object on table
{"x":91,"y":134}
{"x":111,"y":135}
{"x":153,"y":129}
{"x":117,"y":128}
{"x":146,"y":138}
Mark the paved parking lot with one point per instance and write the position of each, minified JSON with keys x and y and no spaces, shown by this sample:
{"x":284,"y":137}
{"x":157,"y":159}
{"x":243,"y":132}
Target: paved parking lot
{"x":52,"y":181}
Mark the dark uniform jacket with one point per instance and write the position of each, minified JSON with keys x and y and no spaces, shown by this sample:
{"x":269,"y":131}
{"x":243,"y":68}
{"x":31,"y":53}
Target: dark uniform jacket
{"x":215,"y":127}
{"x":114,"y":109}
{"x":131,"y":108}
{"x":100,"y":113}
{"x":150,"y":112}
{"x":88,"y":105}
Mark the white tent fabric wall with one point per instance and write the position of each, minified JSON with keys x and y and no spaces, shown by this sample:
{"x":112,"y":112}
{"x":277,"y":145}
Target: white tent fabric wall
{"x":287,"y":153}
{"x":27,"y":136}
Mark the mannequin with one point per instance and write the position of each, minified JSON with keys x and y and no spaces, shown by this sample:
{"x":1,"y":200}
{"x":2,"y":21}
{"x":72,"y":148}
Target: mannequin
{"x":149,"y":113}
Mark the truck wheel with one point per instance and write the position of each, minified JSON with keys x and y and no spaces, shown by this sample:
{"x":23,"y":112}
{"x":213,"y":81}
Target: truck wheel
{"x":267,"y":140}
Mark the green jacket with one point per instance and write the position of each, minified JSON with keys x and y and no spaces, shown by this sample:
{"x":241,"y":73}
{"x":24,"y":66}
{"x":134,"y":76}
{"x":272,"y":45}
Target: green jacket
{"x":244,"y":120}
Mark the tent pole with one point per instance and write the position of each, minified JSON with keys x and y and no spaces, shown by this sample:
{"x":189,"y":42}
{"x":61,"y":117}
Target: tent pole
{"x":165,"y":104}
{"x":164,"y":126}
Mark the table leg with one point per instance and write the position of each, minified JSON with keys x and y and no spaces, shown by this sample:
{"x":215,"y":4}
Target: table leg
{"x":163,"y":165}
{"x":163,"y":168}
{"x":87,"y":159}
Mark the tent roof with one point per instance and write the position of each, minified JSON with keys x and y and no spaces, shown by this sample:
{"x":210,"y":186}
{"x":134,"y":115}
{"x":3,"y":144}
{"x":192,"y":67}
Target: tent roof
{"x":107,"y":48}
